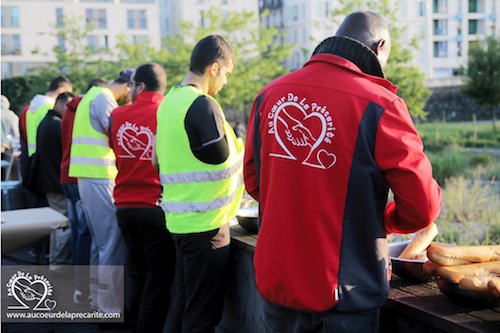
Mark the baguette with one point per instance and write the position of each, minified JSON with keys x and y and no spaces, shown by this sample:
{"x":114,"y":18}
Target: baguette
{"x":456,"y":273}
{"x":462,"y":255}
{"x":481,"y":284}
{"x":420,"y":242}
{"x":494,"y":287}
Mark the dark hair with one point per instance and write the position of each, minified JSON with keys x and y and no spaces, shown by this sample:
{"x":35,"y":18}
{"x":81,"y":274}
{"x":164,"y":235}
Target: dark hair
{"x":95,"y":82}
{"x":208,"y":50}
{"x":58,"y":82}
{"x":153,"y":76}
{"x":64,"y":97}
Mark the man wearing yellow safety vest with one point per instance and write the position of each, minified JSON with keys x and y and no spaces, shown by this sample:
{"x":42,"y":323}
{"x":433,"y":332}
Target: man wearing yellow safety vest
{"x":29,"y":120}
{"x":200,"y":163}
{"x":92,"y":161}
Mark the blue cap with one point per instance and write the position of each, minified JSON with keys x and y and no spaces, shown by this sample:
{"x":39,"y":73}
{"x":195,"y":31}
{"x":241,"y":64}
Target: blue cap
{"x":125,"y":75}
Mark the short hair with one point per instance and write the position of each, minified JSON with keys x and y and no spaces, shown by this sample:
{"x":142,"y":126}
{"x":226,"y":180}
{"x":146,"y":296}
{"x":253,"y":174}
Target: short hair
{"x":208,"y":50}
{"x":153,"y":76}
{"x":58,"y":82}
{"x":97,"y":82}
{"x":64,"y":97}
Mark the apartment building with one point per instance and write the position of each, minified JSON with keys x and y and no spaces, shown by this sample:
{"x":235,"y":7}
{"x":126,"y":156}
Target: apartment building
{"x":446,"y":28}
{"x":28,"y":27}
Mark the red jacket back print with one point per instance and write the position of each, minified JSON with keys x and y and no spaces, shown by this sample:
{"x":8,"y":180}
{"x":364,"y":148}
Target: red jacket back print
{"x":132,"y":134}
{"x":320,"y":159}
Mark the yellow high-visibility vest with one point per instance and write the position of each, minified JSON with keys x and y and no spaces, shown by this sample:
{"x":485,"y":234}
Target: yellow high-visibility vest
{"x":197,"y":196}
{"x":33,"y":119}
{"x":91,"y":156}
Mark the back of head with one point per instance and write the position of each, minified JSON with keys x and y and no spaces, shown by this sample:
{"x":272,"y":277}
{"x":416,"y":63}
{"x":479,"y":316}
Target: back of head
{"x":208,"y":50}
{"x":97,"y":82}
{"x":153,"y":76}
{"x":60,"y":82}
{"x":371,"y":30}
{"x":5,"y":103}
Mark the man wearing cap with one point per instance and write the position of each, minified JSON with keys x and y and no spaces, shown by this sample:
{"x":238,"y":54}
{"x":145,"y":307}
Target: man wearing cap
{"x":93,"y":163}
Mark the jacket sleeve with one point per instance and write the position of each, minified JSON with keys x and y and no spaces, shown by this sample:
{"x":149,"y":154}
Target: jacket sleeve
{"x":399,"y":152}
{"x":249,"y":166}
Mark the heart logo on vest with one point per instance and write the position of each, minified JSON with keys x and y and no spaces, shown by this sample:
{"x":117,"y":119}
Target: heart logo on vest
{"x":136,"y":142}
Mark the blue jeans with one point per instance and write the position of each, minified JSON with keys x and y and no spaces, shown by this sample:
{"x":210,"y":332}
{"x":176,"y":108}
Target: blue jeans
{"x":80,"y":236}
{"x":286,"y":320}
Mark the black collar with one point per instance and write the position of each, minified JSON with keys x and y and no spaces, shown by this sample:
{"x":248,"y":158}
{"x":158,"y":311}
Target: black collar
{"x":354,"y":51}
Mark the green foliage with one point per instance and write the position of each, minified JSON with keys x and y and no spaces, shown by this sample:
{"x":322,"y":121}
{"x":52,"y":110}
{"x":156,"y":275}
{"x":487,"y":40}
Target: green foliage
{"x":259,"y":56}
{"x":483,"y":73}
{"x":439,"y":136}
{"x":18,"y":90}
{"x":409,"y":79}
{"x":470,"y":213}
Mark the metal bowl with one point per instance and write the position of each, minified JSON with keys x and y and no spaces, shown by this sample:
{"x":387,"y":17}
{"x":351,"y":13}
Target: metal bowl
{"x":461,"y":296}
{"x":248,"y":218}
{"x":407,"y":269}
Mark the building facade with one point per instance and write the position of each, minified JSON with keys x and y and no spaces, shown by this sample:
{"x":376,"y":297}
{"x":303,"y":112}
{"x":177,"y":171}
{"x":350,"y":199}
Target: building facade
{"x":28,"y":27}
{"x":445,"y":28}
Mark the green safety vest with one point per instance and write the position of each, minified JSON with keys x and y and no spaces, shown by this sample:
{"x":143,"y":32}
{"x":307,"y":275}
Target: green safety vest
{"x":91,"y":156}
{"x":33,"y":119}
{"x":197,"y":196}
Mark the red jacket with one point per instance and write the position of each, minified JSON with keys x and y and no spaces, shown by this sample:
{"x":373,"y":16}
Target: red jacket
{"x":67,"y":131}
{"x":324,"y":145}
{"x":132,"y":133}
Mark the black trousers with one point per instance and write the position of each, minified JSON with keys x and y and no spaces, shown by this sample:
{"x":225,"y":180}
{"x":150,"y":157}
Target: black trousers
{"x":201,"y":275}
{"x":152,"y":258}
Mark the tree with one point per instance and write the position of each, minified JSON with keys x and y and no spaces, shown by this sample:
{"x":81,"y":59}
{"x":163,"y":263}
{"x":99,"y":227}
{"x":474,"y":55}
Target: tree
{"x":409,"y":79}
{"x":482,"y":80}
{"x":259,"y":55}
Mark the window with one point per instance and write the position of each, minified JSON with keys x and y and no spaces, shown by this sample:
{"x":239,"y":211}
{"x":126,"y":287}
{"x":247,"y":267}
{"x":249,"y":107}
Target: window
{"x":440,"y":49}
{"x":11,"y":44}
{"x":136,"y":19}
{"x":440,"y":27}
{"x":421,"y":8}
{"x":97,"y":17}
{"x":59,"y":17}
{"x":98,"y":42}
{"x":223,"y":2}
{"x":472,"y":27}
{"x":439,"y":6}
{"x":473,"y":6}
{"x":138,"y":39}
{"x":10,"y":17}
{"x":61,"y":43}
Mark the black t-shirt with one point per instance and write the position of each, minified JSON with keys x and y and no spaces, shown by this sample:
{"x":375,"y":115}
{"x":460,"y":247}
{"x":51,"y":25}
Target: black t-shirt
{"x":205,"y":129}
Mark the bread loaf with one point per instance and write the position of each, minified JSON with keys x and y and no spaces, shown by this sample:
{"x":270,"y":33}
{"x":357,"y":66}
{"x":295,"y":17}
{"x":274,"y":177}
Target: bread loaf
{"x":420,"y":242}
{"x":481,"y":284}
{"x":462,"y":255}
{"x":456,"y":273}
{"x":494,"y":286}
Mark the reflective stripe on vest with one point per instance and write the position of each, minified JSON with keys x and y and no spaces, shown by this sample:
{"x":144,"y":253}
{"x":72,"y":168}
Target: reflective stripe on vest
{"x":33,"y":119}
{"x":197,"y":196}
{"x":91,"y":156}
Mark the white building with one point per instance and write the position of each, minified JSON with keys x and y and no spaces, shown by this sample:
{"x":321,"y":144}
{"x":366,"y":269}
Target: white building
{"x":28,"y":26}
{"x":447,"y":27}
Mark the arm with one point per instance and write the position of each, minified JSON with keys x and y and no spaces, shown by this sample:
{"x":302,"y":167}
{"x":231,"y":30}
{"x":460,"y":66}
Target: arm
{"x":205,"y":128}
{"x":249,"y":164}
{"x":408,"y":172}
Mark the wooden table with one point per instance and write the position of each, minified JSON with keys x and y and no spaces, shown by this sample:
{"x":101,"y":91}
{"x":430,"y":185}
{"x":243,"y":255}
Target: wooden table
{"x":409,"y":308}
{"x":23,"y":227}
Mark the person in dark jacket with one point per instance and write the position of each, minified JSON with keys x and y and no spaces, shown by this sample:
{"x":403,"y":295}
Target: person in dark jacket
{"x":49,"y":150}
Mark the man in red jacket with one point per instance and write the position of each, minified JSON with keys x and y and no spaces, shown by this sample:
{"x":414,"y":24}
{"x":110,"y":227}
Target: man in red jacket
{"x":324,"y":146}
{"x":137,"y":194}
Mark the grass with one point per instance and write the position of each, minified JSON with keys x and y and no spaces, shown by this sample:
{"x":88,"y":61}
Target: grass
{"x":469,"y":180}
